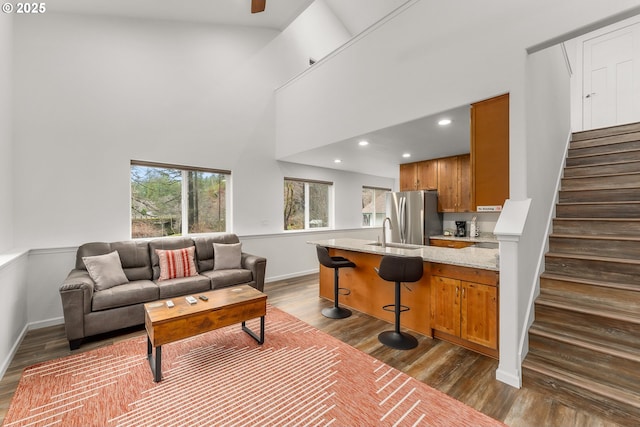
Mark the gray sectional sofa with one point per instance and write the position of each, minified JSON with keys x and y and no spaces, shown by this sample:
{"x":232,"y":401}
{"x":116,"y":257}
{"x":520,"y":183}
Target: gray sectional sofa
{"x":92,"y":308}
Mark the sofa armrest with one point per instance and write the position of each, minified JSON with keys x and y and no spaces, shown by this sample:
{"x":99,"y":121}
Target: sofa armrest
{"x":76,"y":293}
{"x":258,"y":266}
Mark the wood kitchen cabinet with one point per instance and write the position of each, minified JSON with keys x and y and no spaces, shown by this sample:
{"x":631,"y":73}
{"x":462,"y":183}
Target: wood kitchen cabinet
{"x":464,"y":307}
{"x":419,"y":175}
{"x":490,"y":152}
{"x":446,"y":243}
{"x":454,"y":184}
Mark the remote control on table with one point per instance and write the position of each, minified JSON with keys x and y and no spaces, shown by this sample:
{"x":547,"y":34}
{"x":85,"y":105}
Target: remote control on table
{"x":204,"y":298}
{"x":170,"y":304}
{"x":191,"y":300}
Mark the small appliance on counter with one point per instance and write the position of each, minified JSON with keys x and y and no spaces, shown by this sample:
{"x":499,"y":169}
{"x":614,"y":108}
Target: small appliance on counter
{"x":473,"y":229}
{"x":461,"y":229}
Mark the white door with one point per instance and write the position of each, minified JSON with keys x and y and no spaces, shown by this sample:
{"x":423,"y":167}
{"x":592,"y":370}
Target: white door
{"x":611,"y":94}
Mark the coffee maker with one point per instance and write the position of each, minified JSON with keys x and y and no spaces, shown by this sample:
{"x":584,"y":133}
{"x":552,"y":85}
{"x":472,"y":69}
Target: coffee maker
{"x":461,"y":229}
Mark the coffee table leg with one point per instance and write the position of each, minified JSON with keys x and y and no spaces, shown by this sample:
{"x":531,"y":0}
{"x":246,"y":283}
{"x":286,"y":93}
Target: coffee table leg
{"x":259,"y":339}
{"x":155,"y":363}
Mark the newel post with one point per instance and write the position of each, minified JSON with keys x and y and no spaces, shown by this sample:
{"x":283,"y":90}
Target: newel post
{"x":508,"y":231}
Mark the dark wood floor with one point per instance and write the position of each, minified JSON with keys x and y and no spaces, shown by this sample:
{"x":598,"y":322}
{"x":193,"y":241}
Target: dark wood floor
{"x":462,"y":374}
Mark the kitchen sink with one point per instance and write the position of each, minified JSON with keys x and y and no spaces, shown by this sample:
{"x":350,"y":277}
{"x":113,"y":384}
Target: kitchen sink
{"x":398,"y":245}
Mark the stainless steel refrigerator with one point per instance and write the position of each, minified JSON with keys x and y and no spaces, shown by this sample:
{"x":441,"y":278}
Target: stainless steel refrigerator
{"x":414,"y":216}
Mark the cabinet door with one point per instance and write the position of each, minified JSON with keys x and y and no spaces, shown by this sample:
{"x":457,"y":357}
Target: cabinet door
{"x":447,"y":184}
{"x":490,"y":151}
{"x":427,"y":175}
{"x":464,"y":184}
{"x":479,"y":313}
{"x":408,"y":177}
{"x":445,"y":305}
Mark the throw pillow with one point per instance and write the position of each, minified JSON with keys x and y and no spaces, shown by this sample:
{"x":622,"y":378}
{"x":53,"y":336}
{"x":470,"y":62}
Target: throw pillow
{"x":105,"y":270}
{"x":177,"y":263}
{"x":227,"y":256}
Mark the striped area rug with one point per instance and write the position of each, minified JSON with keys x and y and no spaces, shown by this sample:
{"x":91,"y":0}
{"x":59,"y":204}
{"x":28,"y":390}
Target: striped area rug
{"x":299,"y":376}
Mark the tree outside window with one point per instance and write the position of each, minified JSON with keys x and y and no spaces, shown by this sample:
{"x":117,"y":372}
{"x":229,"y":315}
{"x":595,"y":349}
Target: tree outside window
{"x":307,"y":204}
{"x":172,"y":201}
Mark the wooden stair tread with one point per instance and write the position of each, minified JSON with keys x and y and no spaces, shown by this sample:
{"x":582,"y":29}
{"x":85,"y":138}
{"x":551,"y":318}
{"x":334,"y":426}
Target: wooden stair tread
{"x":599,"y":219}
{"x":594,"y":258}
{"x":606,"y":132}
{"x":594,"y":343}
{"x":608,"y":237}
{"x":608,"y":163}
{"x":589,"y":282}
{"x":599,"y":203}
{"x":584,"y":307}
{"x":539,"y":365}
{"x":574,"y":156}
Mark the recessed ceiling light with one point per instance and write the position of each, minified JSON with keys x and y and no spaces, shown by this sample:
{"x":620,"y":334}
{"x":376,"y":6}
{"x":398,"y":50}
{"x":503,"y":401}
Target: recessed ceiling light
{"x":363,"y":143}
{"x":444,"y":122}
{"x":406,"y":155}
{"x":337,"y":161}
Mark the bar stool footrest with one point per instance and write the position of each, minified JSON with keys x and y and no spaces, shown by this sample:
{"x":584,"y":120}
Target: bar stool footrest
{"x":392,"y":308}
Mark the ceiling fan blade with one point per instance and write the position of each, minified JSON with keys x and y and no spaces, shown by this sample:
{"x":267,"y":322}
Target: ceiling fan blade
{"x":258,"y":5}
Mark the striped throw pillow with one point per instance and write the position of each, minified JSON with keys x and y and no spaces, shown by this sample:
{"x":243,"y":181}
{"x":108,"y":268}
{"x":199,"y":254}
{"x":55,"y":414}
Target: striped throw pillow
{"x":177,"y":263}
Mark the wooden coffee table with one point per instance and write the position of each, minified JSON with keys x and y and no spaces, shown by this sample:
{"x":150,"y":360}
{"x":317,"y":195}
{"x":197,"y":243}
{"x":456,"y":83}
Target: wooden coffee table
{"x":224,"y":307}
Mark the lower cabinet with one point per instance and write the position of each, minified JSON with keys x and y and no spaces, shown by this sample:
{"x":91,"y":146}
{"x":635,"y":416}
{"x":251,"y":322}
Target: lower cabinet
{"x":464,"y":307}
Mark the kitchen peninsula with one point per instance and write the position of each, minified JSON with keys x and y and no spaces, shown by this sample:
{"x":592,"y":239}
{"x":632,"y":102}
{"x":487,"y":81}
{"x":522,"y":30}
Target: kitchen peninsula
{"x":456,"y":300}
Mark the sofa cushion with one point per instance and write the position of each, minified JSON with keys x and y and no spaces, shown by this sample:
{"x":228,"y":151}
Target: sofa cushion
{"x":134,"y":255}
{"x":227,"y":256}
{"x":224,"y":278}
{"x":105,"y":270}
{"x":183,"y":286}
{"x":165,"y":244}
{"x":204,"y":248}
{"x":176,"y":263}
{"x":135,"y":292}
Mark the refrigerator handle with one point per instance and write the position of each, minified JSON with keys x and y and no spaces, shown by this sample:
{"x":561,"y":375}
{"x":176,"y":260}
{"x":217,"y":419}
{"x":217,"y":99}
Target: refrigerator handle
{"x":403,"y":218}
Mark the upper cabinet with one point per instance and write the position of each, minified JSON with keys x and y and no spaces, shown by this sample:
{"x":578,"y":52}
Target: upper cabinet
{"x":419,"y":175}
{"x":490,"y":153}
{"x":454,"y":186}
{"x":451,"y":176}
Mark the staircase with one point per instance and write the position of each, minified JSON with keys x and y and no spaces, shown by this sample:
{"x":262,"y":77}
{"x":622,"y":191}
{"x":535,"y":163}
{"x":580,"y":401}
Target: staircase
{"x":585,"y":341}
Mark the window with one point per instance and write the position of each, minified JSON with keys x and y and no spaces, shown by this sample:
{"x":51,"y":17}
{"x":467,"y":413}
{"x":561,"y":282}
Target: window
{"x":307,"y":204}
{"x":169,"y":200}
{"x":373,"y":206}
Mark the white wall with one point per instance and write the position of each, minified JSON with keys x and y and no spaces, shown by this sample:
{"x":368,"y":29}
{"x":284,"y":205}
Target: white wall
{"x":93,"y":93}
{"x":6,"y":148}
{"x":548,"y":133}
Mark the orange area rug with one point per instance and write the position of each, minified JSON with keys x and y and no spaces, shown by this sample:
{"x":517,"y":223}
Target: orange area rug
{"x":299,"y":376}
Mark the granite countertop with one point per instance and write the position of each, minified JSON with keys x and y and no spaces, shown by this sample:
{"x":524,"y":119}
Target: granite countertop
{"x":482,"y":258}
{"x":482,"y":238}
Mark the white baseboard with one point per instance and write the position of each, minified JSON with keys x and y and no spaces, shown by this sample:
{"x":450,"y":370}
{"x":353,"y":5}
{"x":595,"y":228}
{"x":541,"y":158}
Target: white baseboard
{"x":511,"y":378}
{"x":14,"y":349}
{"x":45,"y":323}
{"x":290,"y":276}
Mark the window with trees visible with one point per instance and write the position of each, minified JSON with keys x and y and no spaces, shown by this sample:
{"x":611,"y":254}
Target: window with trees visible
{"x":373,"y":206}
{"x":169,"y":200}
{"x":307,"y":204}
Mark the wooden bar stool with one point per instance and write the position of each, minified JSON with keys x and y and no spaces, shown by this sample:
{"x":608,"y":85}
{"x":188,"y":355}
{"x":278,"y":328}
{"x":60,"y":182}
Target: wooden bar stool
{"x":335,"y":262}
{"x":399,"y":269}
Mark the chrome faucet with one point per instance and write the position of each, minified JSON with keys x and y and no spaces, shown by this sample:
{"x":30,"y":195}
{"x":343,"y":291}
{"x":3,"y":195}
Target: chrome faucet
{"x":384,"y":231}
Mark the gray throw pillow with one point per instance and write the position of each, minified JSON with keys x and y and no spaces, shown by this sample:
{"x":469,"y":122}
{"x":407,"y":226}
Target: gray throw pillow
{"x":227,"y":256}
{"x":105,"y":270}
